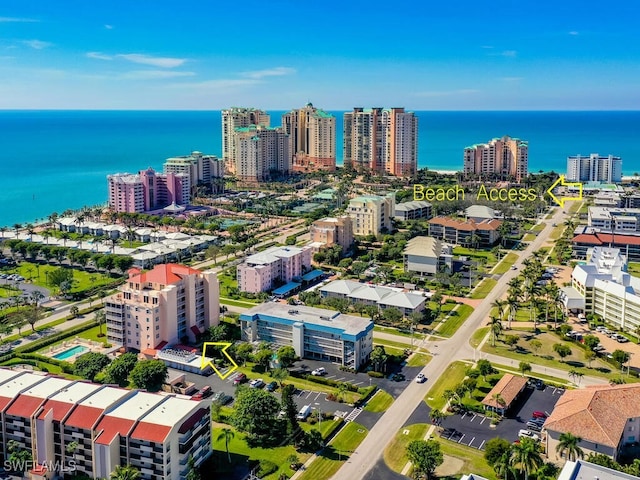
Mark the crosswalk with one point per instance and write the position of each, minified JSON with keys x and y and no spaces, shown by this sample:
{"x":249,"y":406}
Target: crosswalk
{"x":354,"y":413}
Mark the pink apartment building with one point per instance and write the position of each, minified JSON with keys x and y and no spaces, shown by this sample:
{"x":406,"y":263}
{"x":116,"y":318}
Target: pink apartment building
{"x":156,"y":433}
{"x":147,"y":190}
{"x":261,"y":272}
{"x":162,"y":306}
{"x":333,"y":231}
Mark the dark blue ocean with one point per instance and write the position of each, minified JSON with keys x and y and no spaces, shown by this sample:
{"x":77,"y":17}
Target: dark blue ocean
{"x":55,"y":160}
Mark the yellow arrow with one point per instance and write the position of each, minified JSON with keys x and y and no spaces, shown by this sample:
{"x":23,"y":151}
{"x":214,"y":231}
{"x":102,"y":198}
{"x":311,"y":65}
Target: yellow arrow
{"x":208,"y":363}
{"x":561,"y":182}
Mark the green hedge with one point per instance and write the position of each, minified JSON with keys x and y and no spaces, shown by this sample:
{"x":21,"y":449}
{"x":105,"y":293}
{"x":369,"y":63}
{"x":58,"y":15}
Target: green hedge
{"x":267,"y":467}
{"x":51,"y":339}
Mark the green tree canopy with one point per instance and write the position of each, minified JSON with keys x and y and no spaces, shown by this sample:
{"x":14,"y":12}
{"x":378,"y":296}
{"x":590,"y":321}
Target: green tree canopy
{"x":149,"y":374}
{"x":119,"y":369}
{"x":256,"y":414}
{"x":425,"y":456}
{"x":90,"y":364}
{"x":286,"y":355}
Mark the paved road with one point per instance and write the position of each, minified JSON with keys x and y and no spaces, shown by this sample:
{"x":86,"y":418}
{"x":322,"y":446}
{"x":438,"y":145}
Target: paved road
{"x":457,"y":347}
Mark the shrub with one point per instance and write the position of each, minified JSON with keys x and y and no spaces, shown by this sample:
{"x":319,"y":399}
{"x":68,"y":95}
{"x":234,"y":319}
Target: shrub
{"x":375,"y":374}
{"x":266,"y":468}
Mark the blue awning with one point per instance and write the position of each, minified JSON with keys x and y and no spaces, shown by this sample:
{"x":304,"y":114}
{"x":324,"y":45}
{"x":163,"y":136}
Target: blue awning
{"x":312,"y":275}
{"x":286,"y":289}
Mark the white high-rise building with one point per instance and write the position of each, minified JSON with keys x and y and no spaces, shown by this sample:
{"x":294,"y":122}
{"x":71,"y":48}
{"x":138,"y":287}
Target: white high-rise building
{"x":261,"y":153}
{"x":233,"y":118}
{"x":381,"y":140}
{"x":594,"y":168}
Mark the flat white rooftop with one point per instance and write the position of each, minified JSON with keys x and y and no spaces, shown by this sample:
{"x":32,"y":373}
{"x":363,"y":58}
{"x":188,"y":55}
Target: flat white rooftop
{"x":47,"y":388}
{"x":105,"y":397}
{"x":11,"y":388}
{"x":170,"y":412}
{"x":75,"y":392}
{"x":6,"y":374}
{"x":136,"y":406}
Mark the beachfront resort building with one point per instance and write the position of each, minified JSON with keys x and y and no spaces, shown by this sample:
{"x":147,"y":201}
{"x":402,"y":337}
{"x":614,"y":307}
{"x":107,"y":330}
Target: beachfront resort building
{"x":201,"y":169}
{"x":261,"y":153}
{"x":94,"y":428}
{"x":162,"y":306}
{"x":233,"y":118}
{"x":333,"y":231}
{"x":147,"y":190}
{"x":371,"y":214}
{"x":314,"y":333}
{"x":594,"y":168}
{"x":501,"y":158}
{"x":313,"y":139}
{"x":466,"y":233}
{"x":605,"y":417}
{"x":603,"y":287}
{"x":275,"y":266}
{"x":381,"y":140}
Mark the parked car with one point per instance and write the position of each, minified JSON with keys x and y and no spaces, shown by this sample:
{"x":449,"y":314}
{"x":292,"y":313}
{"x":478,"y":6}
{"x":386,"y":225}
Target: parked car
{"x":421,"y":378}
{"x":202,"y":393}
{"x":257,"y":383}
{"x":534,"y":426}
{"x":240,"y":378}
{"x":598,"y":348}
{"x":272,"y":386}
{"x":539,"y":414}
{"x":318,"y":372}
{"x":398,"y":377}
{"x":528,"y":433}
{"x":539,"y":385}
{"x":221,"y":398}
{"x":537,"y":421}
{"x":304,"y":412}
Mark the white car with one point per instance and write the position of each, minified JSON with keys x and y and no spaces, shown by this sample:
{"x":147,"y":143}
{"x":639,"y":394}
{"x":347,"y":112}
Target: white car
{"x":318,"y":372}
{"x":528,"y":433}
{"x":257,"y":383}
{"x":421,"y":378}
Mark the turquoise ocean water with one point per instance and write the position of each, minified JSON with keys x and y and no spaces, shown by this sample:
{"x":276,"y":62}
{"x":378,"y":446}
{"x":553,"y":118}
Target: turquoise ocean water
{"x":55,"y":160}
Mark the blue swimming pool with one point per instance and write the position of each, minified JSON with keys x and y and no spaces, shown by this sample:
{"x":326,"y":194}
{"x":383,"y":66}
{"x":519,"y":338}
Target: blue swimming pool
{"x":78,"y":349}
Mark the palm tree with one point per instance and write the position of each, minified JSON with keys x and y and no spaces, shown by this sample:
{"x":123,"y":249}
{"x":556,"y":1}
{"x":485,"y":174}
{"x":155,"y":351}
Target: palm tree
{"x":127,"y":472}
{"x":513,"y":302}
{"x":495,"y":326}
{"x":436,"y":417}
{"x":226,"y":434}
{"x":100,"y":317}
{"x":503,"y":466}
{"x":525,"y":456}
{"x":568,"y":444}
{"x":499,"y":305}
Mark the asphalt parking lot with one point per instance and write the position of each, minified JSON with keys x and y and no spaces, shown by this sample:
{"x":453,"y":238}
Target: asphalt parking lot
{"x":475,"y":430}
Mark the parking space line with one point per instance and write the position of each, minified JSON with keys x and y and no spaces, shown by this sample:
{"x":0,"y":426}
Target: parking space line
{"x":469,"y":444}
{"x":463,"y":435}
{"x":473,"y":418}
{"x":331,"y":376}
{"x":359,"y":383}
{"x":309,"y":394}
{"x":319,"y":393}
{"x":338,"y":379}
{"x":302,"y":392}
{"x":483,"y":419}
{"x":481,"y":445}
{"x":464,"y":415}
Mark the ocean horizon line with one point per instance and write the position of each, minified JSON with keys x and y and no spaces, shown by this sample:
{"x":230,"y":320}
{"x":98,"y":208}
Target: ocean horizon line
{"x":323,"y":108}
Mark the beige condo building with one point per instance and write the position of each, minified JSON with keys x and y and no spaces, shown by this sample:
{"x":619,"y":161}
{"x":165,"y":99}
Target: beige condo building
{"x":371,"y":214}
{"x":313,"y":138}
{"x":261,"y":153}
{"x":236,"y":117}
{"x":333,"y":231}
{"x":381,"y":140}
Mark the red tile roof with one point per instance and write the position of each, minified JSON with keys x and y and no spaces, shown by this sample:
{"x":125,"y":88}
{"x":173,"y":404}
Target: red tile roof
{"x":151,"y":432}
{"x":600,"y":238}
{"x":192,"y":420}
{"x":24,"y":406}
{"x":508,"y":387}
{"x":164,"y":274}
{"x":467,"y":225}
{"x":4,"y":401}
{"x":597,"y":414}
{"x":112,"y":426}
{"x":60,"y":409}
{"x":83,"y":417}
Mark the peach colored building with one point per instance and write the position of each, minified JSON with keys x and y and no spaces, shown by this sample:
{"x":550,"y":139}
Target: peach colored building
{"x":381,"y":140}
{"x":462,"y":232}
{"x":162,"y":306}
{"x":313,"y":138}
{"x":261,"y":152}
{"x":502,"y":158}
{"x":262,"y":271}
{"x":233,"y":118}
{"x":147,"y":190}
{"x":333,"y":231}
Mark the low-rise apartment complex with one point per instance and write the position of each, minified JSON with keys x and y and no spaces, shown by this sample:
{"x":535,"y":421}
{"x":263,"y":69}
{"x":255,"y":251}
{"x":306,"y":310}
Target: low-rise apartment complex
{"x":266,"y":270}
{"x":162,"y":306}
{"x":333,"y":231}
{"x":371,"y":214}
{"x":427,"y":255}
{"x":605,"y":417}
{"x":616,"y":220}
{"x":466,"y":233}
{"x":588,"y":237}
{"x":414,"y":210}
{"x":314,"y":333}
{"x":603,"y":287}
{"x":156,"y":433}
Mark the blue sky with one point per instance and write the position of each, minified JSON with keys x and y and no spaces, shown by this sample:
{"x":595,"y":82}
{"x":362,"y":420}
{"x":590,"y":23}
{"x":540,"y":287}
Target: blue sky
{"x":464,"y":55}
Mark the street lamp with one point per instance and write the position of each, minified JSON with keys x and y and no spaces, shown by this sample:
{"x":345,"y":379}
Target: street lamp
{"x":319,"y":410}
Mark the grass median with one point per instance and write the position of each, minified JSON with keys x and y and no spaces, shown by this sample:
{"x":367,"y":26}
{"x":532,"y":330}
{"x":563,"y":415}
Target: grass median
{"x":483,"y":288}
{"x":451,"y":377}
{"x":395,"y":455}
{"x":455,"y":320}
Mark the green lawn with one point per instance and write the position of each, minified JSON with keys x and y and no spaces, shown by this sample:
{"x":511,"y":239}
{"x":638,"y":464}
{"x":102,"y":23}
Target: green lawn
{"x":539,"y":227}
{"x":557,"y":231}
{"x":92,"y":334}
{"x":396,"y":331}
{"x":634,"y":269}
{"x":505,"y":264}
{"x":237,"y":303}
{"x":335,"y":454}
{"x":9,"y":292}
{"x":451,"y":377}
{"x":450,"y":327}
{"x":325,"y":427}
{"x":391,"y":350}
{"x":379,"y":402}
{"x":541,"y":376}
{"x":483,"y":289}
{"x":395,"y":455}
{"x":241,"y":453}
{"x":472,"y":458}
{"x":574,"y":206}
{"x":418,"y":360}
{"x":391,"y":343}
{"x":82,"y":280}
{"x":529,"y":237}
{"x":477,"y":336}
{"x":470,"y":252}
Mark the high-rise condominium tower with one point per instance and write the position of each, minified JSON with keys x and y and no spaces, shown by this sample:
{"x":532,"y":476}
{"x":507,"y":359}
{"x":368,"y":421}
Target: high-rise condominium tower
{"x":594,"y":168}
{"x":381,"y":140}
{"x":233,"y":118}
{"x":261,"y":153}
{"x":313,"y":138}
{"x":502,"y":158}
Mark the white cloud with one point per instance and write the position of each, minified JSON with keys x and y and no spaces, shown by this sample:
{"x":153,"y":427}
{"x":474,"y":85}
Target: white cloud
{"x":155,"y":74}
{"x":99,"y":56}
{"x":446,"y":93}
{"x":37,"y":44}
{"x":269,"y":72}
{"x":17,"y":20}
{"x":108,"y":27}
{"x":162,"y":62}
{"x":220,"y":84}
{"x":574,"y":33}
